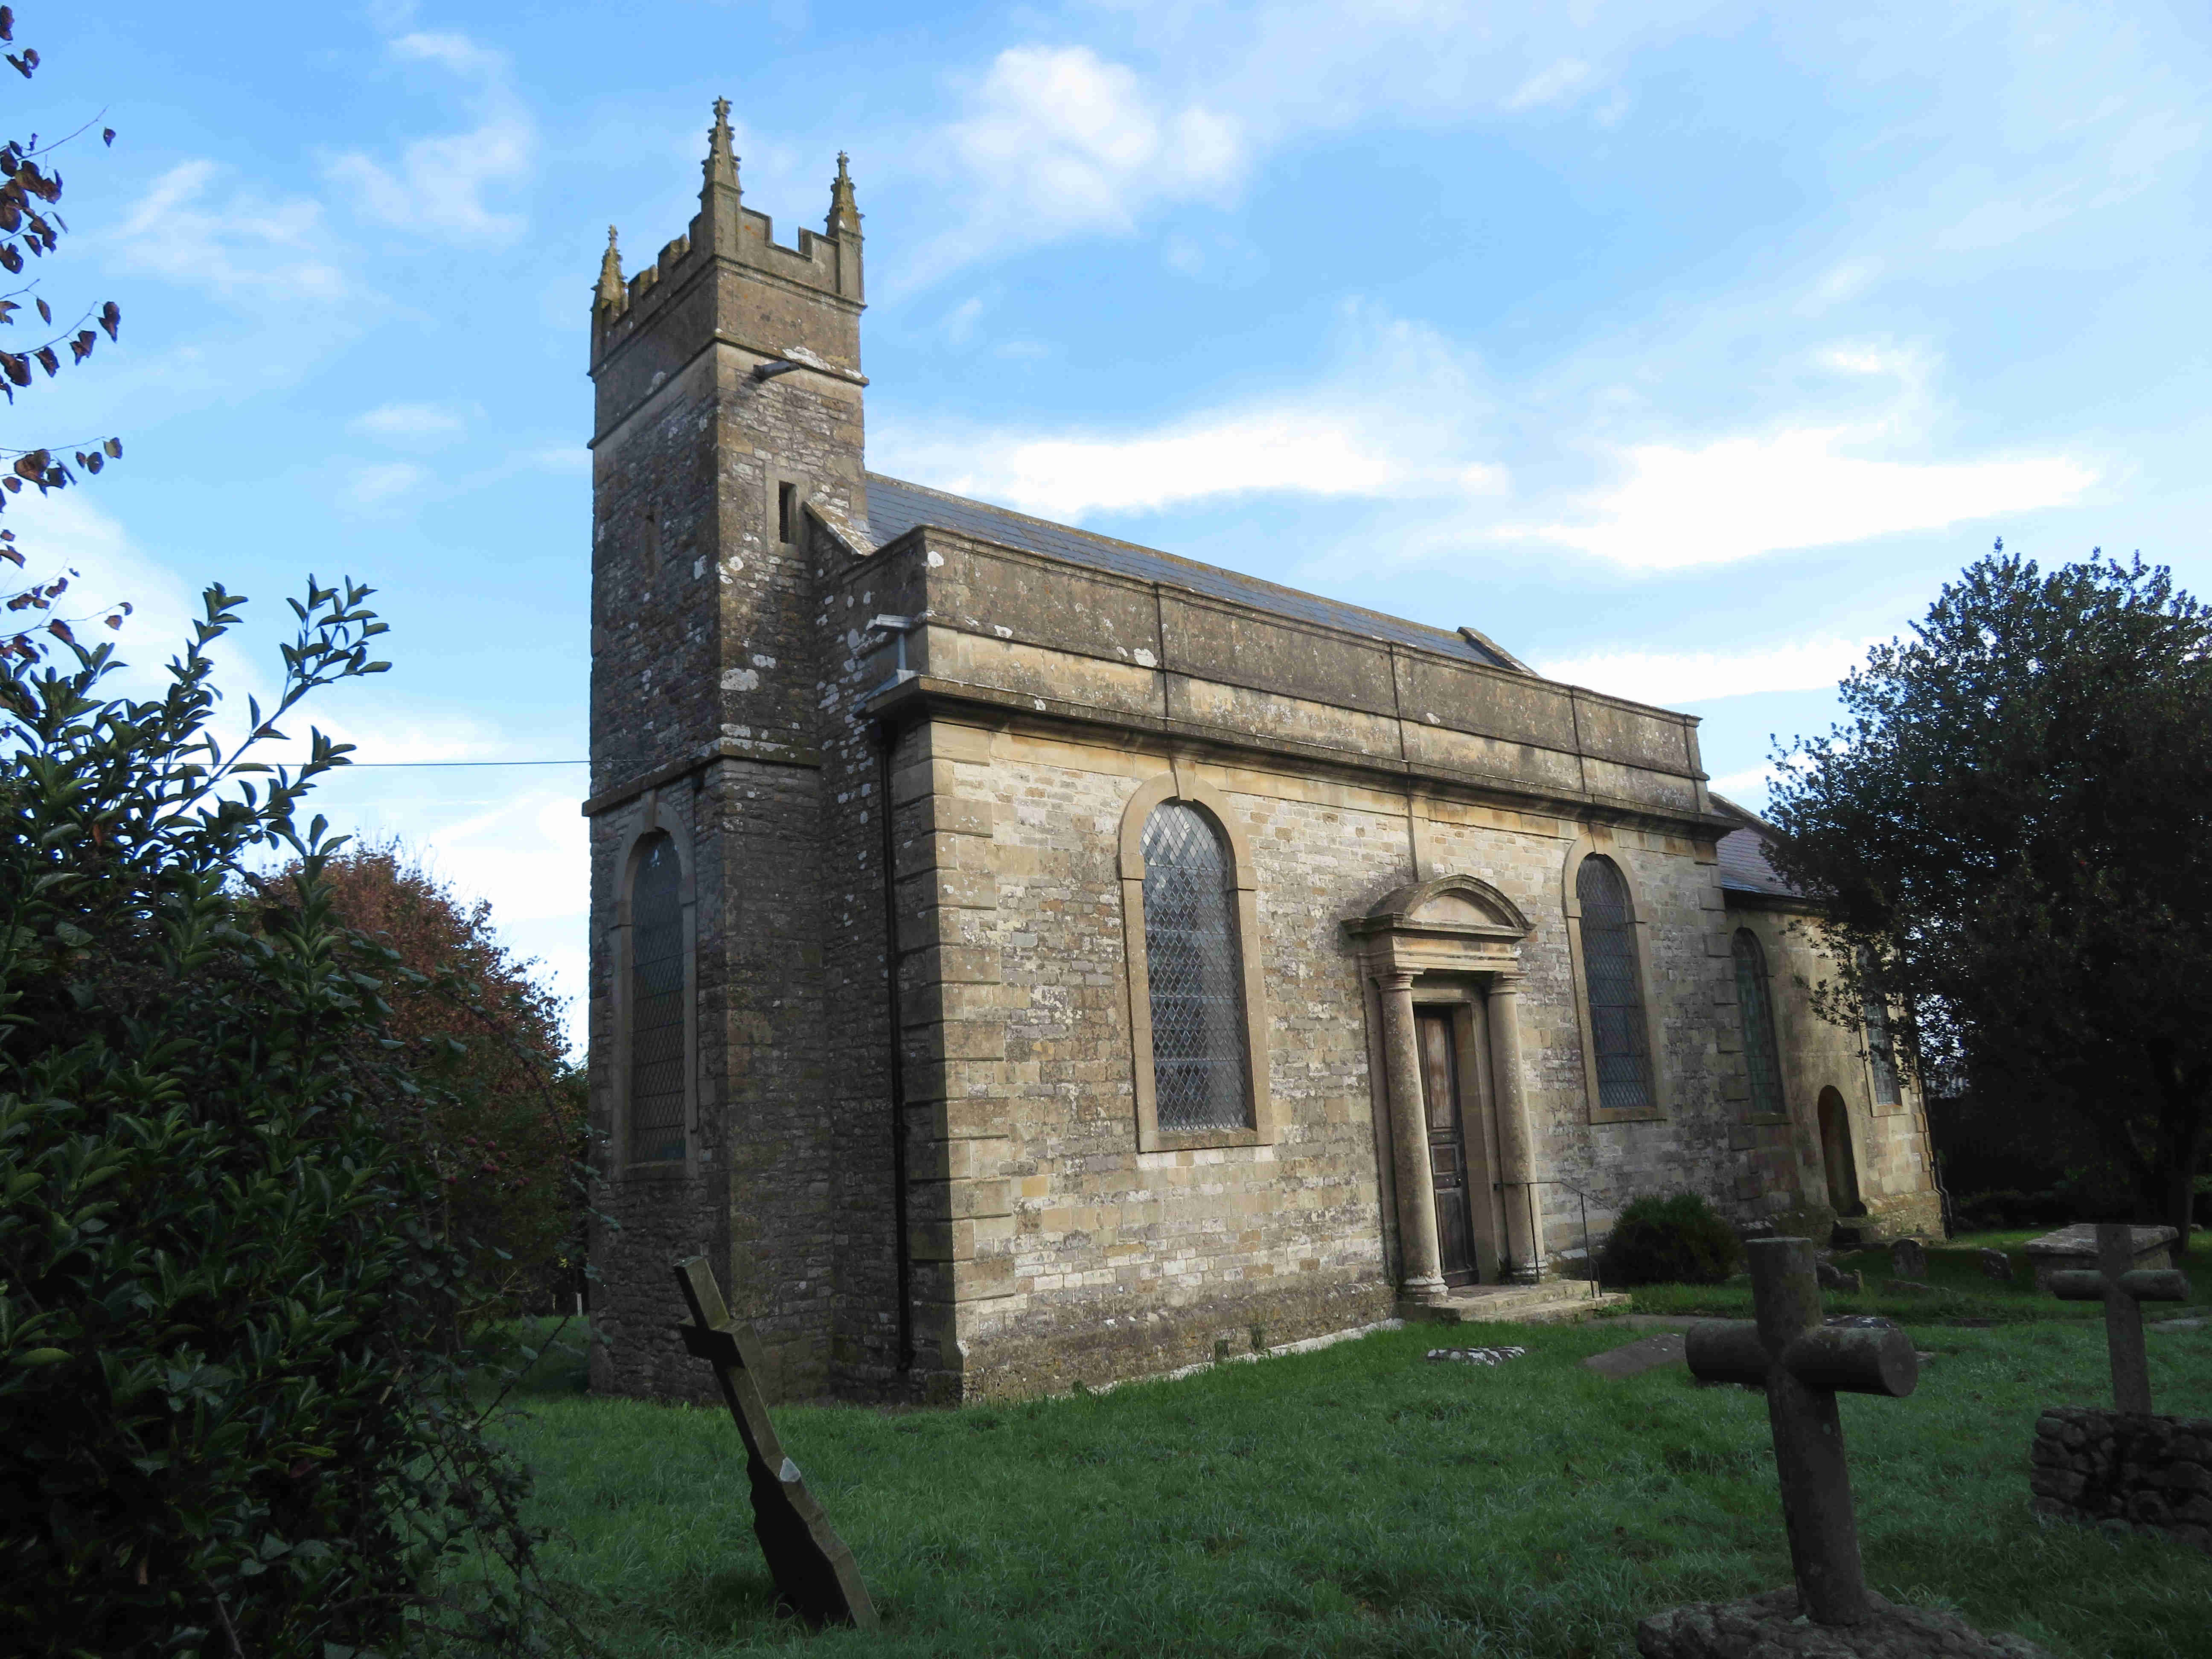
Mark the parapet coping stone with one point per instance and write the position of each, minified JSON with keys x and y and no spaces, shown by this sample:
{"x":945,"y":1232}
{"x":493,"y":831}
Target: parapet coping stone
{"x":2080,"y":1239}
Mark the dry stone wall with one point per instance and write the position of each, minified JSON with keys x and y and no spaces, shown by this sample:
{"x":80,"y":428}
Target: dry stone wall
{"x":2150,"y":1472}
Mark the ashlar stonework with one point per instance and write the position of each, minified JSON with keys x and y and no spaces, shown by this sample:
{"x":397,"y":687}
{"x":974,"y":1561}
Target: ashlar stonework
{"x":938,"y":1025}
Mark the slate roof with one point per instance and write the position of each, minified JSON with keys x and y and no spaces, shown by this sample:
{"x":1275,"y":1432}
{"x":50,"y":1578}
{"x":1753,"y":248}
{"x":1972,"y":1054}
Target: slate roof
{"x":1743,"y":864}
{"x":895,"y":506}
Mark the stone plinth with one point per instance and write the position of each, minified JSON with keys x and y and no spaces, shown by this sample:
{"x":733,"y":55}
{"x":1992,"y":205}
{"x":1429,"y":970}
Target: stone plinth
{"x":2072,"y":1249}
{"x":2149,"y":1473}
{"x":1769,"y":1626}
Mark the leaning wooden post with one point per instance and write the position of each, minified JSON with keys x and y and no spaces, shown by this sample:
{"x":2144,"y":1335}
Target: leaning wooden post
{"x":2123,"y":1289}
{"x":1802,"y":1365}
{"x":814,"y":1572}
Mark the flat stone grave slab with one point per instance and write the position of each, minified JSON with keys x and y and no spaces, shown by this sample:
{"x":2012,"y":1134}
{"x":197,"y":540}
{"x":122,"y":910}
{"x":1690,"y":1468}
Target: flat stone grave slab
{"x":1772,"y":1626}
{"x":1476,"y":1356}
{"x":2072,"y":1249}
{"x":1646,"y":1353}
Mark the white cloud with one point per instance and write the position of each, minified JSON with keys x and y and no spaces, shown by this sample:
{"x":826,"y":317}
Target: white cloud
{"x":375,"y":486}
{"x":1671,"y":678}
{"x":1555,"y":84}
{"x":1399,"y":419}
{"x":196,"y":229}
{"x":1799,"y":486}
{"x":1061,"y":140}
{"x":440,"y":184}
{"x":412,"y":425}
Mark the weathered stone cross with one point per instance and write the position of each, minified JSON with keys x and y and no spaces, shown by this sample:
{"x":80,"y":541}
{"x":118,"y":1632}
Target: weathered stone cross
{"x":1803,"y":1364}
{"x":814,"y":1572}
{"x":2123,"y":1289}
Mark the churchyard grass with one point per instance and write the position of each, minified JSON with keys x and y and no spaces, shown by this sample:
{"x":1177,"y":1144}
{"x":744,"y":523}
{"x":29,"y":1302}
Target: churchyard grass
{"x":1957,"y":1289}
{"x":1359,"y":1500}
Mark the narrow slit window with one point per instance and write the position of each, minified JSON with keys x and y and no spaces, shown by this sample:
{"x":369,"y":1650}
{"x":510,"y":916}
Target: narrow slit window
{"x":1200,"y":1062}
{"x":656,"y":1025}
{"x":1762,"y":1052}
{"x":1612,"y":982}
{"x":787,"y":512}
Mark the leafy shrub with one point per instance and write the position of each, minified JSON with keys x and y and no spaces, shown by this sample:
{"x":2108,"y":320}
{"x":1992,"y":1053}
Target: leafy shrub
{"x":224,"y":1426}
{"x":1670,"y":1241}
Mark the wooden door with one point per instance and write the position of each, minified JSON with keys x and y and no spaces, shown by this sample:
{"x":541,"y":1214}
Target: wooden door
{"x":1440,"y":1094}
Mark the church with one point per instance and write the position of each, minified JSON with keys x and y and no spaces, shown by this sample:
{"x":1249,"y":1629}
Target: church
{"x":1022,"y":958}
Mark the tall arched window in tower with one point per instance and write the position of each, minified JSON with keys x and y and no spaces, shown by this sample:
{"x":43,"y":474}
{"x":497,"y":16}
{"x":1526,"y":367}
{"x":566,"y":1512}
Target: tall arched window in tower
{"x":656,"y":1002}
{"x":1881,"y":1050}
{"x":1614,"y":982}
{"x":1202,"y":1072}
{"x":1762,"y":1052}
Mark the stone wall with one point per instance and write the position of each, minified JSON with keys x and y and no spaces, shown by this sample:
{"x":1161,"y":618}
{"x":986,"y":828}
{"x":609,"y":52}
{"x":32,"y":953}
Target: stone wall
{"x":2150,"y":1472}
{"x":1889,"y":1140}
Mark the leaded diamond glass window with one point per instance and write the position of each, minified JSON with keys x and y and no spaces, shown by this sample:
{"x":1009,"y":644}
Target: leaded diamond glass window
{"x":656,"y":1004}
{"x":1200,"y":1065}
{"x":1615,"y":989}
{"x":1882,"y":1053}
{"x":1762,"y":1056}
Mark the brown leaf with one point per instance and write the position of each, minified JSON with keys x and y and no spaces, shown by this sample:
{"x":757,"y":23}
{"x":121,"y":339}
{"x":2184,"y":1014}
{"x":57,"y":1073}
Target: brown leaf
{"x":114,"y":448}
{"x":48,"y":360}
{"x":107,"y":135}
{"x":110,"y":319}
{"x":33,"y":465}
{"x":10,"y":260}
{"x":60,"y":630}
{"x":7,"y":23}
{"x":45,"y":312}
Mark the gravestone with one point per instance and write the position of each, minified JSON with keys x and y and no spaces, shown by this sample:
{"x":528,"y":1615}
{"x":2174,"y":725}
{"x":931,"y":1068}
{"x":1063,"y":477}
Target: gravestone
{"x":2123,"y":1289}
{"x":814,"y":1572}
{"x":1833,"y":1277}
{"x":1908,"y":1260}
{"x":1634,"y":1358}
{"x":1996,"y":1265}
{"x":2074,"y":1249}
{"x":1802,"y":1365}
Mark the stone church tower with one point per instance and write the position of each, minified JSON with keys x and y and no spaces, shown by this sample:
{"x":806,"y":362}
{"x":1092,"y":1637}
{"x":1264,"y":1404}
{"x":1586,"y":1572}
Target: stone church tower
{"x":728,"y":404}
{"x":1021,"y":956}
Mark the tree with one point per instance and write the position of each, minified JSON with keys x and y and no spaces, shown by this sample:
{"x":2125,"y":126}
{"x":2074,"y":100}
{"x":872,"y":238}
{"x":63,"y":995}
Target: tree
{"x":31,"y":224}
{"x":502,"y":1124}
{"x":2012,"y":834}
{"x":225,"y":1424}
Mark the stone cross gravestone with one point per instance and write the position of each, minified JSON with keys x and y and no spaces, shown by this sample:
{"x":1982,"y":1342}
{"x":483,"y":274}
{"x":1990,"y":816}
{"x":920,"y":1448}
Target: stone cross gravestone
{"x":814,"y":1572}
{"x":2123,"y":1289}
{"x":1908,"y":1259}
{"x":1802,"y":1365}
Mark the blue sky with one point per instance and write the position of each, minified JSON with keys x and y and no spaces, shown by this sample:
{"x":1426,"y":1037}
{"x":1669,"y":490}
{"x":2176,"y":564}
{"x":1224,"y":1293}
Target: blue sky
{"x":1683,"y":348}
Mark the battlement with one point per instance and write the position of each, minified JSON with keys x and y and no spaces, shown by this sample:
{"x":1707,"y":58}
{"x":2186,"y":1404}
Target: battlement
{"x":727,"y":234}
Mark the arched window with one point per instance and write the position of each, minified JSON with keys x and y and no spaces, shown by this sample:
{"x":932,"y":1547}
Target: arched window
{"x":1202,"y":1072}
{"x":1762,"y":1053}
{"x":1614,"y":986}
{"x":656,"y":1002}
{"x":1881,"y":1051}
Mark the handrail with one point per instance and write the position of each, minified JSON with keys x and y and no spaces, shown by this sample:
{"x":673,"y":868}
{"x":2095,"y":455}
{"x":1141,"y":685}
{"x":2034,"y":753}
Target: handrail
{"x":1535,"y":1232}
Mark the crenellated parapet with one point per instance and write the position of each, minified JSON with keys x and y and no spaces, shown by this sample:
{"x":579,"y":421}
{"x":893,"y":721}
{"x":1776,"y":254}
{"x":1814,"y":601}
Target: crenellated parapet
{"x":796,"y":304}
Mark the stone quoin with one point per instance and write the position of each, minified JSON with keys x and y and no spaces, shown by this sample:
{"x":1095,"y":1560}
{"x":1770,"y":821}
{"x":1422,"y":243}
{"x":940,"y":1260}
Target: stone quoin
{"x":1022,"y":958}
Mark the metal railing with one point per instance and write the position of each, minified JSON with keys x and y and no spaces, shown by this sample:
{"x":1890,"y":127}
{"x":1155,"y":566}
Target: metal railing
{"x":1536,"y":1230}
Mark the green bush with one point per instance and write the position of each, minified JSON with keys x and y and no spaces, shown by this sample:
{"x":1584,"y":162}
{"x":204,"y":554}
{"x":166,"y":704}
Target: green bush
{"x":1670,"y":1241}
{"x":225,"y":1425}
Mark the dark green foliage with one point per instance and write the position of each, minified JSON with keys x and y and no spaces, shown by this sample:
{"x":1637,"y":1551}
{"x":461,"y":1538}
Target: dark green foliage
{"x":1670,"y":1241}
{"x":223,"y":1426}
{"x":2012,"y":837}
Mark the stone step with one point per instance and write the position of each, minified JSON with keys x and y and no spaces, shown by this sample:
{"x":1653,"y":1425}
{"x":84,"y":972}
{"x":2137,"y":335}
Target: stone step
{"x":1561,"y":1301}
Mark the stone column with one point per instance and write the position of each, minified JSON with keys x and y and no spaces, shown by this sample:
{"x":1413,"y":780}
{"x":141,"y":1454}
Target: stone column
{"x":1516,"y":1145}
{"x":1422,"y":1278}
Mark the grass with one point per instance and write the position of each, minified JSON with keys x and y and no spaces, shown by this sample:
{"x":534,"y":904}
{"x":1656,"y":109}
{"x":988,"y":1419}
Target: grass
{"x":1959,"y":1291}
{"x":1359,"y":1500}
